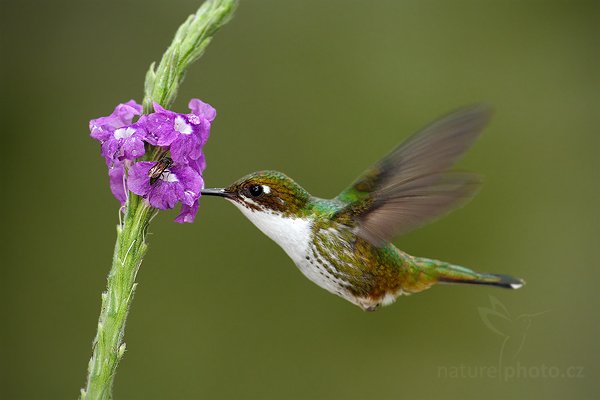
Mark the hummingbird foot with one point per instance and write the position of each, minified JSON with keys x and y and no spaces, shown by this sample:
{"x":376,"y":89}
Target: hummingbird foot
{"x":373,"y":304}
{"x":370,"y":308}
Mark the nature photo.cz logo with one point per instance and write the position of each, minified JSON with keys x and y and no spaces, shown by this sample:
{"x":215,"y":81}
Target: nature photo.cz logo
{"x":513,"y":332}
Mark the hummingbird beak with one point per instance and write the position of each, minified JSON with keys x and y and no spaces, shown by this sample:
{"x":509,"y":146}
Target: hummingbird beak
{"x":214,"y":192}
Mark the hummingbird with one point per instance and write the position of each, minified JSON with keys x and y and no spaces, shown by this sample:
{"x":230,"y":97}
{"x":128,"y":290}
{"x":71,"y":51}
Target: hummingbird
{"x":344,"y":244}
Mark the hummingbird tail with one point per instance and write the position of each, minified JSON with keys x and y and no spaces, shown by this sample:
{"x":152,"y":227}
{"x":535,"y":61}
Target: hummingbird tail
{"x":503,"y":281}
{"x":449,"y":273}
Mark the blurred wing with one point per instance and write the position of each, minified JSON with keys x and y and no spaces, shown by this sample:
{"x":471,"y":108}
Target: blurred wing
{"x":411,"y":186}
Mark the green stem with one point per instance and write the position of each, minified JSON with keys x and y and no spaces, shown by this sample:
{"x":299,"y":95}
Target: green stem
{"x":161,"y":86}
{"x":108,"y":345}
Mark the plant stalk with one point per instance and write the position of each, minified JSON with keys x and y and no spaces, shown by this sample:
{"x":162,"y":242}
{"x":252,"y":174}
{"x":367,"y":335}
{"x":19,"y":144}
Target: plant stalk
{"x":109,"y":347}
{"x":161,"y":86}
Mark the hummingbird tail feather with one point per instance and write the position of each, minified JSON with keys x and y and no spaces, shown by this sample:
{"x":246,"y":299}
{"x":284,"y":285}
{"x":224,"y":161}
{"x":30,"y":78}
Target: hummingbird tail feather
{"x":504,"y":281}
{"x":449,"y":273}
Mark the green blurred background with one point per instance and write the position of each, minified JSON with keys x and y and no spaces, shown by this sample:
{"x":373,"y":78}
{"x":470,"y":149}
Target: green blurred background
{"x":319,"y":90}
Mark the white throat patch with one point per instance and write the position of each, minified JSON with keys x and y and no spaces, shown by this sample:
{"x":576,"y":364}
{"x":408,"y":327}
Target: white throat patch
{"x":292,"y":234}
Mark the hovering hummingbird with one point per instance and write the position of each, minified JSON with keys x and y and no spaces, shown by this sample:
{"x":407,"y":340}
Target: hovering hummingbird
{"x":343,"y":244}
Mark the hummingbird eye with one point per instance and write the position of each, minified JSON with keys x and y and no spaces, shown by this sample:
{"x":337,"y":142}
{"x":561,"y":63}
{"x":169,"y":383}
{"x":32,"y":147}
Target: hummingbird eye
{"x":255,"y":190}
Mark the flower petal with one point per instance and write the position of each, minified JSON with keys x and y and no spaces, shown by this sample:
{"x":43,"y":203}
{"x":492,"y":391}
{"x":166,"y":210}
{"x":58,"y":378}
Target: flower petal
{"x":126,"y":112}
{"x":138,"y":180}
{"x":159,"y":109}
{"x":203,"y":130}
{"x":160,"y":130}
{"x":98,"y":131}
{"x":133,"y":147}
{"x":109,"y":151}
{"x":187,"y":213}
{"x":202,"y":109}
{"x":122,"y":115}
{"x":164,"y":195}
{"x":190,"y":179}
{"x":186,"y":148}
{"x":117,"y":184}
{"x":199,"y":164}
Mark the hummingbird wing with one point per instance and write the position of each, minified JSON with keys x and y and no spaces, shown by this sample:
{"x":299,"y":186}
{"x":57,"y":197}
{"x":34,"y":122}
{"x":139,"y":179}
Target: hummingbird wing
{"x":412,"y":186}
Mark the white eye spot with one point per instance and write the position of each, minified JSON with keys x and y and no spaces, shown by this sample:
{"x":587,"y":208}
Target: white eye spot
{"x":266,"y":189}
{"x":123,"y":133}
{"x":181,"y":126}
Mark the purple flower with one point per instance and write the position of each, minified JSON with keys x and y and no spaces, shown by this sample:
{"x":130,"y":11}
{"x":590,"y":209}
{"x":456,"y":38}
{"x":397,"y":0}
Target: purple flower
{"x":116,"y":174}
{"x":199,"y":165}
{"x":181,"y":136}
{"x":187,"y":213}
{"x":185,"y":134}
{"x":179,"y":183}
{"x":121,"y":116}
{"x":202,"y":110}
{"x":119,"y":138}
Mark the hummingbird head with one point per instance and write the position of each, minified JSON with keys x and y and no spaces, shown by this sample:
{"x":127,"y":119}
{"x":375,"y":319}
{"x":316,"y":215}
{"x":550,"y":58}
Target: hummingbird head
{"x":269,"y":192}
{"x":274,"y":203}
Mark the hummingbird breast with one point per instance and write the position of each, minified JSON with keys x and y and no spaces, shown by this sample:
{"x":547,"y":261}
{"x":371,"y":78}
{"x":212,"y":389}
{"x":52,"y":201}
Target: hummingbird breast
{"x":353,"y":267}
{"x":331,"y":256}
